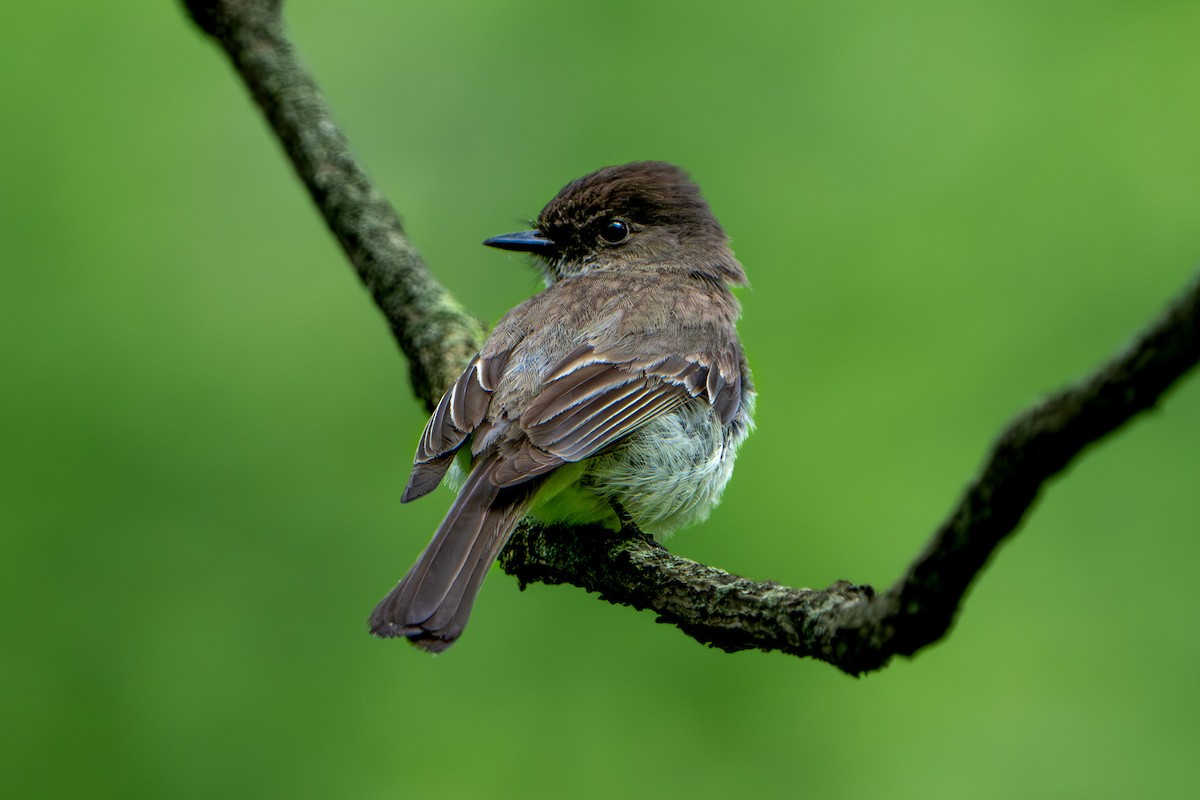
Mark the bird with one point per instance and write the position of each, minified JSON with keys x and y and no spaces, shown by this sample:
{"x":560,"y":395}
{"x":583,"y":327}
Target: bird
{"x":618,"y":396}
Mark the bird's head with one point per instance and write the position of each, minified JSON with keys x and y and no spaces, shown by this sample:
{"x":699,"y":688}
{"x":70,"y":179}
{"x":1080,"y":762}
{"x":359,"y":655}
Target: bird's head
{"x":647,"y":215}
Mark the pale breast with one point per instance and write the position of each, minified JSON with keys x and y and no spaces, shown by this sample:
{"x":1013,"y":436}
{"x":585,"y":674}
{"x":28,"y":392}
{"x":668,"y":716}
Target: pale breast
{"x":665,"y":476}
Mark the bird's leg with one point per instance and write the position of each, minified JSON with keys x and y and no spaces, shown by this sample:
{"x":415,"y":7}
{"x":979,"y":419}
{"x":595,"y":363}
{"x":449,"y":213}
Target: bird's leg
{"x":628,"y":526}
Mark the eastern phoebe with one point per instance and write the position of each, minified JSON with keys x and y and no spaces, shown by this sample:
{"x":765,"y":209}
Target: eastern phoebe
{"x":617,"y":396}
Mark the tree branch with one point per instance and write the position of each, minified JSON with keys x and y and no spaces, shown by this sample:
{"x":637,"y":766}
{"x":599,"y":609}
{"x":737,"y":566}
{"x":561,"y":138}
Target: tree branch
{"x":850,"y":626}
{"x":437,"y":334}
{"x":846,"y":625}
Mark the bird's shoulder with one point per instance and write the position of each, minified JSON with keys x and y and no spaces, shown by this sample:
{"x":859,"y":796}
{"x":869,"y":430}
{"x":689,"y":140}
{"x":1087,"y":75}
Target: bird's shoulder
{"x":655,"y":308}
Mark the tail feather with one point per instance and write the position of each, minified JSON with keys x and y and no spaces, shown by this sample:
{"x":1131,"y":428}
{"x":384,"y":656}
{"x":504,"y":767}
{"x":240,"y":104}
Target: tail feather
{"x":432,"y":603}
{"x":439,"y":568}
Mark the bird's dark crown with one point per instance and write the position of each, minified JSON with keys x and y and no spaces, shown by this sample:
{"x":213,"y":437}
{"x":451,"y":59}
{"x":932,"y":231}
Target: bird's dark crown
{"x":645,"y":192}
{"x":645,"y":212}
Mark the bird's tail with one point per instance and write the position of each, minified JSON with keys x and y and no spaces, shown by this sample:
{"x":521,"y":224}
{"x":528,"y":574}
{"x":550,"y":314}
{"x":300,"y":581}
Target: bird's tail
{"x":432,"y":603}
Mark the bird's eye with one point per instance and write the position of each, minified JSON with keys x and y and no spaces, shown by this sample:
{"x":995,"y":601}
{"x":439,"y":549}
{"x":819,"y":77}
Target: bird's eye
{"x":615,"y":231}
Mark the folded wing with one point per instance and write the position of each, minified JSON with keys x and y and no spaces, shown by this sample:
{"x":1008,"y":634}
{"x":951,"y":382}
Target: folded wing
{"x":593,"y":399}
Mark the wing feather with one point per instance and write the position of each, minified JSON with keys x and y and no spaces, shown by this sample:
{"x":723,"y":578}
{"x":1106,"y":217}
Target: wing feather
{"x":553,"y":429}
{"x":607,"y":430}
{"x":591,"y":400}
{"x":461,"y":410}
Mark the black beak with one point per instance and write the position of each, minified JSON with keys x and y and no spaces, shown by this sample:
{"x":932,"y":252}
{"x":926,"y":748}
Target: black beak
{"x":524,"y":241}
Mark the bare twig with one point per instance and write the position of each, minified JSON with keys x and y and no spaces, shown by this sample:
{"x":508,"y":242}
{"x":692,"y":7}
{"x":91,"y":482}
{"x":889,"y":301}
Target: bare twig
{"x":848,"y":626}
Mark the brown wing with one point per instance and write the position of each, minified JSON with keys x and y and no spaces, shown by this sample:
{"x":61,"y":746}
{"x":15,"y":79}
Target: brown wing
{"x":591,"y":400}
{"x":459,"y":412}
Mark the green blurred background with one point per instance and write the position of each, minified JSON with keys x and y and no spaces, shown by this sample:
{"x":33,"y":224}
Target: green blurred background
{"x":947,"y":210}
